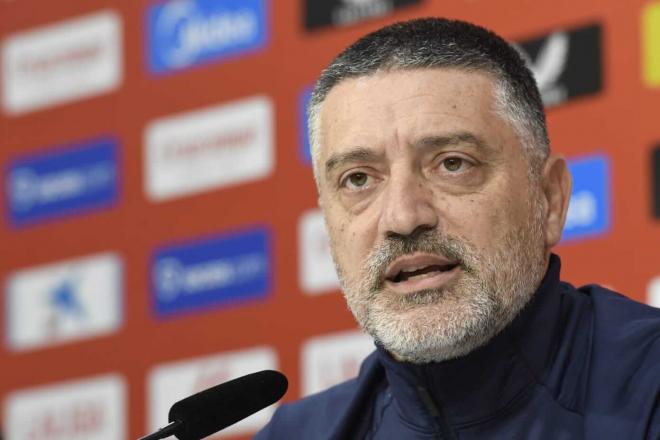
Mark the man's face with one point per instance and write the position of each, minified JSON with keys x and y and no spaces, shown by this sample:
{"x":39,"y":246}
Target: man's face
{"x":436,"y":229}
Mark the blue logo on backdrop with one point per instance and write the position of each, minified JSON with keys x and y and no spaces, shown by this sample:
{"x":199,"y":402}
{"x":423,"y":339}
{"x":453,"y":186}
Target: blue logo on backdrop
{"x":65,"y":300}
{"x":211,"y":272}
{"x":589,"y":208}
{"x":183,"y":33}
{"x":303,"y":102}
{"x":64,"y":181}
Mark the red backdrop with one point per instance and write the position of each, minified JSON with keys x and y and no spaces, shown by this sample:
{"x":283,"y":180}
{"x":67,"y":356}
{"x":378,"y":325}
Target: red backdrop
{"x":620,"y":121}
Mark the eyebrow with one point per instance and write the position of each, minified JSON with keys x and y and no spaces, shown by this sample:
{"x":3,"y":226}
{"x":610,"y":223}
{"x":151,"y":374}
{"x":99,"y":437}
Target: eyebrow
{"x":362,"y":154}
{"x":358,"y":154}
{"x":452,"y":139}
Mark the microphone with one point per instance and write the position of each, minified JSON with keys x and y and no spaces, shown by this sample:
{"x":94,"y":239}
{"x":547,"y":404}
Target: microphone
{"x":211,"y":410}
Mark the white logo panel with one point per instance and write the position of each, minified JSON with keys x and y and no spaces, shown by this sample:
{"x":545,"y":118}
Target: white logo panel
{"x":64,"y":301}
{"x":351,"y":11}
{"x":332,"y":359}
{"x":209,"y":148}
{"x":90,"y":409}
{"x":172,"y":382}
{"x":61,"y":62}
{"x":316,"y":269}
{"x":653,"y":293}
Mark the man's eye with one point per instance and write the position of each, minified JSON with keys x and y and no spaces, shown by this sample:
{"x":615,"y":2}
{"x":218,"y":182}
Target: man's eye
{"x":356,"y":180}
{"x":454,"y":164}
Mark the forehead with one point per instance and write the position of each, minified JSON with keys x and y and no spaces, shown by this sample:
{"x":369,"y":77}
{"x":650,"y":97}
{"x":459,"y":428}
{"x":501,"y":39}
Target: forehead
{"x":398,"y":106}
{"x":449,"y":83}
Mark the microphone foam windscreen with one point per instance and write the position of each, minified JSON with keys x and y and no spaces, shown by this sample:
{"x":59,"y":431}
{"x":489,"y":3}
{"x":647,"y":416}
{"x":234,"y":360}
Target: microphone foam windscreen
{"x":223,"y":405}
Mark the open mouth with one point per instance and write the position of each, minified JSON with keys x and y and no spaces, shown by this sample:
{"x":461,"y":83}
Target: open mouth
{"x":420,"y":271}
{"x":424,"y":272}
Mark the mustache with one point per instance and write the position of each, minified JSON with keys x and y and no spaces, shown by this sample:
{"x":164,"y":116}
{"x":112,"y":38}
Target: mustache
{"x":428,"y":241}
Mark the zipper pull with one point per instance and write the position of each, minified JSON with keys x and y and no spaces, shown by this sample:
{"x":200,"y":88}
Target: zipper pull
{"x":441,"y":423}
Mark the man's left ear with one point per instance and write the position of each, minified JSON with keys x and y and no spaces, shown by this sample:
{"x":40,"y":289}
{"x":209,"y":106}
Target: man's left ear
{"x":556,"y":183}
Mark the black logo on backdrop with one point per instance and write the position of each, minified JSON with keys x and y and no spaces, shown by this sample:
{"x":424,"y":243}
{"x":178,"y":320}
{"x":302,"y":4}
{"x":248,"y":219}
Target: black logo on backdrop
{"x":321,"y":13}
{"x":566,"y":64}
{"x":655,"y":183}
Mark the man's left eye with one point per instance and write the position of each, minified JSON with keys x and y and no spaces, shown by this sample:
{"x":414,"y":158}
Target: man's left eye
{"x":357,"y":179}
{"x":454,"y":164}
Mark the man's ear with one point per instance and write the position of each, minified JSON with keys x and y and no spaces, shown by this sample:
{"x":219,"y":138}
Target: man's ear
{"x":556,"y":184}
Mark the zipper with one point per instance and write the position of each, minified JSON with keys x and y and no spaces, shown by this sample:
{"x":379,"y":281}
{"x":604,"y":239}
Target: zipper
{"x":441,"y":422}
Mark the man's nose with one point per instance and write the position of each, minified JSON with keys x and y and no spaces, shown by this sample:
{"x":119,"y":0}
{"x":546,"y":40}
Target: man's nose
{"x":407,"y":206}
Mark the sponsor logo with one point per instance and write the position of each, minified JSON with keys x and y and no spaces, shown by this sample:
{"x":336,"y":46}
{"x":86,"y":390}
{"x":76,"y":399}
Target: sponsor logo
{"x":183,"y":33}
{"x":653,"y":292}
{"x":62,"y":181}
{"x":211,"y":272}
{"x":345,"y":12}
{"x":651,"y":44}
{"x":316,"y":269}
{"x":86,"y":409}
{"x":66,"y":301}
{"x":169,"y":383}
{"x":566,"y":64}
{"x":655,"y":181}
{"x":589,"y":207}
{"x":61,"y":62}
{"x":332,"y":359}
{"x":303,"y":102}
{"x":210,"y":148}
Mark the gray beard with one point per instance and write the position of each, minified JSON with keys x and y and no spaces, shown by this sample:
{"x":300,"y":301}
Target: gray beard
{"x":435,"y":325}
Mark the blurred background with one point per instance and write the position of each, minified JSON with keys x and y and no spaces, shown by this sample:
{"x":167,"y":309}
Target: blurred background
{"x":159,"y":230}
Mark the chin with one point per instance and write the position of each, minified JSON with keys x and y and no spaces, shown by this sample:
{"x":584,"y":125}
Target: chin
{"x":416,"y":347}
{"x":447,"y":329}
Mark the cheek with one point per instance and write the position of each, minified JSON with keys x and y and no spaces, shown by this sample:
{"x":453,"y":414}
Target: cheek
{"x":469,"y":213}
{"x":350,"y":246}
{"x":479,"y":218}
{"x":346,"y":239}
{"x":351,"y":236}
{"x":339,"y":238}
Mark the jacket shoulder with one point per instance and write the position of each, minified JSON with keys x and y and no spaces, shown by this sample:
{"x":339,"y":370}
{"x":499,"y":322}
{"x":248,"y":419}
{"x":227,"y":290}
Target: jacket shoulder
{"x":311,"y":416}
{"x":622,"y":319}
{"x":316,"y":415}
{"x":625,"y":332}
{"x":625,"y":356}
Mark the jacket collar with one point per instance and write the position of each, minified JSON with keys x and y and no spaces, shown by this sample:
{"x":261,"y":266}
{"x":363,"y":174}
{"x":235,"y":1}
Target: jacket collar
{"x":529,"y":351}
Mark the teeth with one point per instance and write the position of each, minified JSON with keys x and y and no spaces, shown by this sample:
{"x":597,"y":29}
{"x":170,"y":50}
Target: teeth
{"x":423,"y":271}
{"x":413,"y":268}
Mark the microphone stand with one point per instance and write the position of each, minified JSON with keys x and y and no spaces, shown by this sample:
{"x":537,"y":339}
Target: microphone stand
{"x":163,"y":432}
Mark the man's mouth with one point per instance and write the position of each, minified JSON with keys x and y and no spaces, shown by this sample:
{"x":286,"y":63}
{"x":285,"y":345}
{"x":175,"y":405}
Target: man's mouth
{"x":424,"y":272}
{"x":419,"y":271}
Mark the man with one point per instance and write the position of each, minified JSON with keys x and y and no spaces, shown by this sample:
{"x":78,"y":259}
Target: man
{"x":443,"y":201}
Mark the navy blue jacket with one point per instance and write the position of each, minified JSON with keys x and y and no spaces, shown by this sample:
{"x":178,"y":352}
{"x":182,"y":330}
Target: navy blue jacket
{"x":575,"y":364}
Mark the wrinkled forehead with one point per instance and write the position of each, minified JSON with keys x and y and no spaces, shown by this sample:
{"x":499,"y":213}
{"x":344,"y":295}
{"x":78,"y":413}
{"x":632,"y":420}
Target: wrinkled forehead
{"x":397,"y":105}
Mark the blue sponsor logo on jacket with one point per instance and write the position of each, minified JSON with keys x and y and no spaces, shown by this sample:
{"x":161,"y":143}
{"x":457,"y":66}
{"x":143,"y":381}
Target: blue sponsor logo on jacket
{"x":63,"y":181}
{"x":589,"y":208}
{"x":183,"y":33}
{"x":211,"y":272}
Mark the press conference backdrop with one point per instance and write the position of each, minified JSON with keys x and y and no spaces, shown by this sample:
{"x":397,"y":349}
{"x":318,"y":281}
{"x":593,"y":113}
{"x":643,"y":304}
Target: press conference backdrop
{"x":160,"y":231}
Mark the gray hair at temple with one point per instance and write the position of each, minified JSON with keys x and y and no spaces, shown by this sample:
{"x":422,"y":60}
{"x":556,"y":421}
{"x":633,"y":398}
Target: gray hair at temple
{"x":437,"y":43}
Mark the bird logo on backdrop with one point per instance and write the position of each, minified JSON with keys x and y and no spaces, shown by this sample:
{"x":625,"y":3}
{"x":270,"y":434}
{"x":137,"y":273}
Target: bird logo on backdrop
{"x":548,"y":66}
{"x":66,"y":307}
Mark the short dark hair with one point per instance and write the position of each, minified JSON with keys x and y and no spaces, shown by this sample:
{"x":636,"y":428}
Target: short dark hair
{"x":440,"y":42}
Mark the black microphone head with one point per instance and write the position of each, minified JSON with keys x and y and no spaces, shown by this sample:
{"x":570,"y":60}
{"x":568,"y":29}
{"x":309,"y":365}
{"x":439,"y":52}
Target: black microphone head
{"x":216,"y":408}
